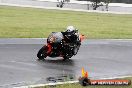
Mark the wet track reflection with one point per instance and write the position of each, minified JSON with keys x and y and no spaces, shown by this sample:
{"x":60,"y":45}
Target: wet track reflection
{"x":19,"y":64}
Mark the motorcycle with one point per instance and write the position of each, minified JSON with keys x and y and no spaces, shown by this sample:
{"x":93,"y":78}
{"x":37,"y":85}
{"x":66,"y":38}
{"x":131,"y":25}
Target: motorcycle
{"x":58,"y":47}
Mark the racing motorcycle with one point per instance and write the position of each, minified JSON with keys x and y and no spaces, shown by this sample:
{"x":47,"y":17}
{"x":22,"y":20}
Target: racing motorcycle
{"x":57,"y":46}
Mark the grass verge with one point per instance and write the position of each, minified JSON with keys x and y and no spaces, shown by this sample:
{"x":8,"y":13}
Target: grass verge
{"x":18,"y":22}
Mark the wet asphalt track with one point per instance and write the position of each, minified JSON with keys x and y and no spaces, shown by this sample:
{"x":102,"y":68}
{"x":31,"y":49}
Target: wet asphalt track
{"x":101,"y":58}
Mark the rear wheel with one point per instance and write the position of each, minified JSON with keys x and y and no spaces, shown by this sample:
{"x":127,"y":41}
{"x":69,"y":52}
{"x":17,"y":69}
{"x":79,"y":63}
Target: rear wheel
{"x":42,"y":53}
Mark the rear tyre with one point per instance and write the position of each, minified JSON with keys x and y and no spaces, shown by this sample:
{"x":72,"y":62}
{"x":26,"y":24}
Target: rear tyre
{"x":42,"y":53}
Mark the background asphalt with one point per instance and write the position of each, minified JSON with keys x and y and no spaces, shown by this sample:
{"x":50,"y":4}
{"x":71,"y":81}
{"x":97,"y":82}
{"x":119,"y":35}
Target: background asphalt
{"x":67,"y":5}
{"x":101,"y":58}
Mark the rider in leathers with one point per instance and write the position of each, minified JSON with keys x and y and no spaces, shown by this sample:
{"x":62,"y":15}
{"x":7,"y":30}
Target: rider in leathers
{"x":71,"y":36}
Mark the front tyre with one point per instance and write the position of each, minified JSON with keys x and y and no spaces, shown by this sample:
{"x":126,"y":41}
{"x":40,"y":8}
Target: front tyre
{"x":65,"y":58}
{"x":42,"y":53}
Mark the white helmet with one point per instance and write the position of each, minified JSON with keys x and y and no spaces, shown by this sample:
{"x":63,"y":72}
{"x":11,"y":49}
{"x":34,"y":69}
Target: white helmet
{"x":70,"y":29}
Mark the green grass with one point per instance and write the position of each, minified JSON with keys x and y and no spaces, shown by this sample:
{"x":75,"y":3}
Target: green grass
{"x":76,"y":85}
{"x":16,"y":22}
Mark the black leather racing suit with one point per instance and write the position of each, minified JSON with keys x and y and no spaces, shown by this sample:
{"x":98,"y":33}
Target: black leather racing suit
{"x":71,"y":39}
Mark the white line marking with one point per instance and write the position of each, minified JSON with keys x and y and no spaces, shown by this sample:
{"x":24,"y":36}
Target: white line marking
{"x":48,"y":84}
{"x":58,"y":83}
{"x":117,"y":77}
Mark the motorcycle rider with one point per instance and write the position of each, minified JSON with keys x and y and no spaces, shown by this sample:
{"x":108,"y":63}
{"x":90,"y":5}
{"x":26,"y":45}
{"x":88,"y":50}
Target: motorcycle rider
{"x":71,"y":36}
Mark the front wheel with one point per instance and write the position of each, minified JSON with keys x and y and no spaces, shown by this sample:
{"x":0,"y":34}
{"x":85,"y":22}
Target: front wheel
{"x":65,"y":58}
{"x":42,"y":53}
